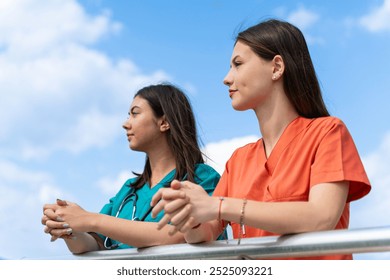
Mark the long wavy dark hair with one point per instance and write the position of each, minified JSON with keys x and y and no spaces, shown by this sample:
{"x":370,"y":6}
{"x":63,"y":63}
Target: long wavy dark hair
{"x":169,"y":101}
{"x":274,"y":37}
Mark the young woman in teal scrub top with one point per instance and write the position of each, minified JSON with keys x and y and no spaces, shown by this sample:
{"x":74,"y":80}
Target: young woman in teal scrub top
{"x":161,"y":123}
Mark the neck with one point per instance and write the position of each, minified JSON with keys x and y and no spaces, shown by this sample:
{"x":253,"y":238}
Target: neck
{"x":161,"y":162}
{"x":273,"y":118}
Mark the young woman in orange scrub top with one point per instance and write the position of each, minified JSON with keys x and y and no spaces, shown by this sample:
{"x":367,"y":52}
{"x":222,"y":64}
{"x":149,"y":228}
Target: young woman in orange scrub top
{"x":304,"y":171}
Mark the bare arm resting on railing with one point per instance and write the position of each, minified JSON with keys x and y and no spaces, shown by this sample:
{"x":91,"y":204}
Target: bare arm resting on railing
{"x":82,"y":222}
{"x":321,"y":212}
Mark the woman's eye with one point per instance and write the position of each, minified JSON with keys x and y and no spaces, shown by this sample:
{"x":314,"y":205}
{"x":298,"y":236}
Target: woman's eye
{"x":236,"y":63}
{"x":132,"y":114}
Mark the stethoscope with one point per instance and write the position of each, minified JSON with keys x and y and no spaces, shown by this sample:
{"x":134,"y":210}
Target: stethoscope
{"x":133,"y":218}
{"x":134,"y":197}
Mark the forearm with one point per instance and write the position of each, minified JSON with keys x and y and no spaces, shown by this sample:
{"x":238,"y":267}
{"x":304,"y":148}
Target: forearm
{"x":133,"y":233}
{"x":278,"y":217}
{"x":81,"y":242}
{"x":208,"y":231}
{"x":322,"y":211}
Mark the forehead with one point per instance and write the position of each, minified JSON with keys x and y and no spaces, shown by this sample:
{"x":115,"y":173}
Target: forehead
{"x":242,"y":50}
{"x":139,"y":102}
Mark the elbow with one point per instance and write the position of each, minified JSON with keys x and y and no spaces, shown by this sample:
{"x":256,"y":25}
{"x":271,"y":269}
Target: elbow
{"x":176,"y":238}
{"x":79,"y":251}
{"x":326,"y":222}
{"x":202,"y":234}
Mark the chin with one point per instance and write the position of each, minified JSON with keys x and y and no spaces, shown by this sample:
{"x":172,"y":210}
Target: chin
{"x":239,"y":107}
{"x":133,"y":147}
{"x":136,"y":149}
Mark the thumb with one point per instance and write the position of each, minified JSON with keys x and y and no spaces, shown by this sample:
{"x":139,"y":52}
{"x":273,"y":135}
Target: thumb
{"x":176,"y":185}
{"x":61,"y":202}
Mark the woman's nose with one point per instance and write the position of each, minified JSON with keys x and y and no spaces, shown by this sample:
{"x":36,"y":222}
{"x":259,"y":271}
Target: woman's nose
{"x":228,"y":79}
{"x":126,"y":124}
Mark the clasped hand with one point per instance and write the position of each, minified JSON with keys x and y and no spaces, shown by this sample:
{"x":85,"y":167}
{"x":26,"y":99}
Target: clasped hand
{"x":61,"y":219}
{"x":185,"y":206}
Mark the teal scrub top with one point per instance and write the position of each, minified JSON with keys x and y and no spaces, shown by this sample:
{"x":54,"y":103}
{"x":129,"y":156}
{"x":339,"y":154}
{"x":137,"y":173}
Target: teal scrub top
{"x":122,"y":204}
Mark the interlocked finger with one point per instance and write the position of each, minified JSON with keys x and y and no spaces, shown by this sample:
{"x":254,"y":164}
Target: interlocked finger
{"x":181,"y":215}
{"x":164,"y":221}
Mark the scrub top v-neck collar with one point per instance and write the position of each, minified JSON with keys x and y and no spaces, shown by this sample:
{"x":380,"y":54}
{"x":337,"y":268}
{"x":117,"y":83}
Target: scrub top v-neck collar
{"x":293,"y":129}
{"x":146,"y":193}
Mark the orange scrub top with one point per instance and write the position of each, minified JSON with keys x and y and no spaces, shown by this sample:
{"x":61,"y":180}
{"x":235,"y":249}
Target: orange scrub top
{"x":309,"y":152}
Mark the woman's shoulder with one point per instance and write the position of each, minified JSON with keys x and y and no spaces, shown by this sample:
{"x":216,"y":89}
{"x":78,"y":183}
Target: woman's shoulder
{"x":322,"y":128}
{"x":249,"y":148}
{"x":127,"y":185}
{"x":203,"y":168}
{"x":329,"y":121}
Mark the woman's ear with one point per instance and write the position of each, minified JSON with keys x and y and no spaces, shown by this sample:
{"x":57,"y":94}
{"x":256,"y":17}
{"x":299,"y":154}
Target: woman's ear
{"x":278,"y":67}
{"x":164,"y":125}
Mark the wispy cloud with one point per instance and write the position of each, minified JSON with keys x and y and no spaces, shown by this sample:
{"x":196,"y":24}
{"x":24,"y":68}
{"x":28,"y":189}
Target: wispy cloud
{"x":218,"y":153}
{"x":303,"y":18}
{"x":110,"y":186}
{"x":376,"y":204}
{"x":49,"y":68}
{"x":377,"y":19}
{"x":59,"y":93}
{"x":22,"y":194}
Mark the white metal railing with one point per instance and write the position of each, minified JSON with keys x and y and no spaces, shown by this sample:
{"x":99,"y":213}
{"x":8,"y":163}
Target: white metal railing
{"x":351,"y":241}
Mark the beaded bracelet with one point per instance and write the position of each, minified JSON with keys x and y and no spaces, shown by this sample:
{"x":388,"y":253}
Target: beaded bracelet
{"x":242,"y":221}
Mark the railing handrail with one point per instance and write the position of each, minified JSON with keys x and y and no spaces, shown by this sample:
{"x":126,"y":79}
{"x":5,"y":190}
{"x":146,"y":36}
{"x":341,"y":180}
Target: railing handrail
{"x":366,"y":240}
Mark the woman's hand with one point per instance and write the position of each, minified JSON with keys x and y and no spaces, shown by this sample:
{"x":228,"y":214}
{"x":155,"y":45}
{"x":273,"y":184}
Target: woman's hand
{"x":63,"y":218}
{"x":185,"y":205}
{"x":54,"y":224}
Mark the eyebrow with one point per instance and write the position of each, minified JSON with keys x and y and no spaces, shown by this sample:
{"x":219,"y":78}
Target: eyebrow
{"x":234,"y":58}
{"x":134,"y":107}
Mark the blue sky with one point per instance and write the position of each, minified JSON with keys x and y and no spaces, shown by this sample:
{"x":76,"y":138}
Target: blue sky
{"x":69,"y":69}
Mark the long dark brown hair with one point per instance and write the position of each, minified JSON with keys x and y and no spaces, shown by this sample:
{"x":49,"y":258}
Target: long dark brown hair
{"x":274,"y":37}
{"x":169,"y":101}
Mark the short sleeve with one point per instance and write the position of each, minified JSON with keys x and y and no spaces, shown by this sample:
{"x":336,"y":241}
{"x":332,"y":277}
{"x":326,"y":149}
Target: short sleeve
{"x":337,"y":159}
{"x":112,"y":205}
{"x":222,"y":188}
{"x":207,"y":177}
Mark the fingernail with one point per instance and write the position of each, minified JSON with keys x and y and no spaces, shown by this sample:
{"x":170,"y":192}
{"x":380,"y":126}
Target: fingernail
{"x":59,"y":219}
{"x":69,"y":231}
{"x":53,"y":238}
{"x":63,"y":202}
{"x":65,"y":225}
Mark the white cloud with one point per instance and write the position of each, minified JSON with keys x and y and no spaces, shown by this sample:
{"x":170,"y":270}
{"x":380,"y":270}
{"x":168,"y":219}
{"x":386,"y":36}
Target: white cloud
{"x":303,"y":18}
{"x":378,"y":18}
{"x":219,"y":152}
{"x":22,"y":194}
{"x":29,"y":27}
{"x":20,"y":184}
{"x":92,"y":129}
{"x":58,"y":94}
{"x":111,"y":186}
{"x":372,"y":210}
{"x":52,"y":80}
